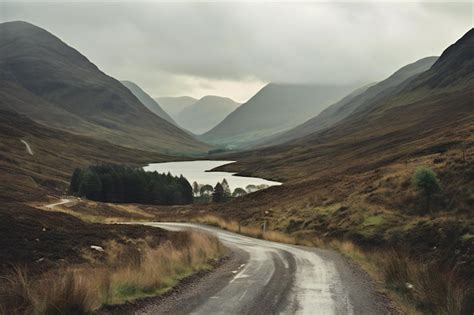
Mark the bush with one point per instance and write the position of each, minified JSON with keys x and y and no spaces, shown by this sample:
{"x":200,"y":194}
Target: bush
{"x":426,"y":181}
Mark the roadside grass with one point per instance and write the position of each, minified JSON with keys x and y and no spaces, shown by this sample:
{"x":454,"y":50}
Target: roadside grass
{"x":252,"y":231}
{"x":416,"y":286}
{"x":123,"y":273}
{"x":425,"y":285}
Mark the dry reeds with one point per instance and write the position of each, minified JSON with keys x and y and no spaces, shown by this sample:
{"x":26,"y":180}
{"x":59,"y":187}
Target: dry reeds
{"x":128,"y":273}
{"x":430,"y":288}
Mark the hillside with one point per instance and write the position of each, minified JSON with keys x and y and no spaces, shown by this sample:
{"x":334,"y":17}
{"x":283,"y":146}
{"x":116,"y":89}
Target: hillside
{"x":148,"y":101}
{"x":275,"y":108}
{"x":54,"y":155}
{"x":348,"y":104}
{"x":55,"y":85}
{"x":353,"y":182}
{"x":206,"y":113}
{"x":419,"y":114}
{"x":174,"y":105}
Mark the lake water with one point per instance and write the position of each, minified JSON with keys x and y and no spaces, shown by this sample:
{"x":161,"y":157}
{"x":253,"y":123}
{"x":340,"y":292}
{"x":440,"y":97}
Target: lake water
{"x":196,"y":171}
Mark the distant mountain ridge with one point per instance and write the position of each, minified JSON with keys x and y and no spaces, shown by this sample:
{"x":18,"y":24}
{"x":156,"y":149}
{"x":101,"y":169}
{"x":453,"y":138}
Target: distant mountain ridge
{"x":148,"y":101}
{"x":205,"y":113}
{"x":173,"y":105}
{"x":55,"y":85}
{"x":425,"y":114}
{"x":357,"y":99}
{"x":275,"y":108}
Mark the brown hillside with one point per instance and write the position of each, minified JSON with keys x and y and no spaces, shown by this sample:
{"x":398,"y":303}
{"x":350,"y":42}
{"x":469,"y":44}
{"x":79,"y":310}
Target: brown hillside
{"x":54,"y":84}
{"x":55,"y":155}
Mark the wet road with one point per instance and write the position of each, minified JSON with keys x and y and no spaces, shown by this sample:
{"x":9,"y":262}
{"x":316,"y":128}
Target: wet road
{"x":275,"y":278}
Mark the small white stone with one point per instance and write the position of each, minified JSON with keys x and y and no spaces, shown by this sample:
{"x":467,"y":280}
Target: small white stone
{"x":97,"y":248}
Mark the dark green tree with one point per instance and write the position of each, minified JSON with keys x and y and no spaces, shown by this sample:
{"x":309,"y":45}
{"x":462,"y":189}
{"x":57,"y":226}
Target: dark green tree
{"x":218,"y":194}
{"x":75,"y":181}
{"x":186,"y":190}
{"x":196,"y":190}
{"x":206,"y":190}
{"x":239,"y":192}
{"x":226,"y":187}
{"x":251,"y":188}
{"x":91,"y":186}
{"x":425,"y":181}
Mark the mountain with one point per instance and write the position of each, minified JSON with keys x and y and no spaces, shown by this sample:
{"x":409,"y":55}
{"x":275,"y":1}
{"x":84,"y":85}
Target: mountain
{"x":428,"y":113}
{"x":52,"y":83}
{"x":146,"y":100}
{"x":31,"y":175}
{"x":174,"y":105}
{"x":275,"y":108}
{"x":205,"y":113}
{"x":348,"y":104}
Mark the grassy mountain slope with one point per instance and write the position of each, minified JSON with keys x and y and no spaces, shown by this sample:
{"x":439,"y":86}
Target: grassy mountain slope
{"x":348,"y":104}
{"x":146,"y":100}
{"x":205,"y":113}
{"x":56,"y":153}
{"x":274,"y":108}
{"x":422,"y":113}
{"x":174,"y":105}
{"x":54,"y":84}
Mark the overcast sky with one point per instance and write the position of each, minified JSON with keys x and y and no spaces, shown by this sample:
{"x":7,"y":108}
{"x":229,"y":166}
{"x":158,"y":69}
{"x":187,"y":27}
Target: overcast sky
{"x":233,"y":49}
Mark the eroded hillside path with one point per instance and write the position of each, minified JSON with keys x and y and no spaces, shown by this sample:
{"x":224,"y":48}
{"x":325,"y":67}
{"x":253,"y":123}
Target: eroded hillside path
{"x":273,"y":278}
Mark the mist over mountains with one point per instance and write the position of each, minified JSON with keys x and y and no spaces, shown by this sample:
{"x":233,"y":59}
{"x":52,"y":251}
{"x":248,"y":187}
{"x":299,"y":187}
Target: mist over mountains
{"x":357,"y":99}
{"x":148,"y":101}
{"x":205,"y":113}
{"x":175,"y":104}
{"x":274,"y":108}
{"x":426,"y":110}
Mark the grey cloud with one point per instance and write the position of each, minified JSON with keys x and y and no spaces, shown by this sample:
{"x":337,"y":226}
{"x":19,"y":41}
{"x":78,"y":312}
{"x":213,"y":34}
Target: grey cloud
{"x":168,"y":47}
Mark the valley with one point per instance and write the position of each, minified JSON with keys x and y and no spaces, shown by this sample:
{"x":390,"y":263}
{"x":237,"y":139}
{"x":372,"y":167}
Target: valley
{"x":328,"y":196}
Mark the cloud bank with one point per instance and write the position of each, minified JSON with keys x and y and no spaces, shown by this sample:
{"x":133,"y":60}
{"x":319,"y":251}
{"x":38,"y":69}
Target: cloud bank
{"x":233,"y":49}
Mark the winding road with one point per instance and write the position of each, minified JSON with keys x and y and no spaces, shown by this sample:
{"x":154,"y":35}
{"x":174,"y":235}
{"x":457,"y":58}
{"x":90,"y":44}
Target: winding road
{"x":272,"y":278}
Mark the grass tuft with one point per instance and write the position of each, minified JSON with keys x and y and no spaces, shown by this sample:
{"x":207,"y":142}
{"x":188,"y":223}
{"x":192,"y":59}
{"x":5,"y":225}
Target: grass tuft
{"x":130,"y":271}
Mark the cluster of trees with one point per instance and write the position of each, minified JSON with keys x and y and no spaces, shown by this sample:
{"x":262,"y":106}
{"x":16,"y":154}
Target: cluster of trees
{"x":254,"y":188}
{"x":221,"y":192}
{"x":118,"y":183}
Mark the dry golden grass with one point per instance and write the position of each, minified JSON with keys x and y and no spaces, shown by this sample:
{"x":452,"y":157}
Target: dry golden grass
{"x":252,"y":231}
{"x":423,"y":284}
{"x":416,"y":286}
{"x":69,"y":291}
{"x":129,"y":272}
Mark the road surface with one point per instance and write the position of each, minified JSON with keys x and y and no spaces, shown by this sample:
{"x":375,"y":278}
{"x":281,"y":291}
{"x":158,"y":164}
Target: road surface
{"x":273,"y":278}
{"x":63,"y":201}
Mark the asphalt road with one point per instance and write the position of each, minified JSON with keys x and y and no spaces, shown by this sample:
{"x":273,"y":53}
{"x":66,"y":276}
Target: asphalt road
{"x":271,"y":278}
